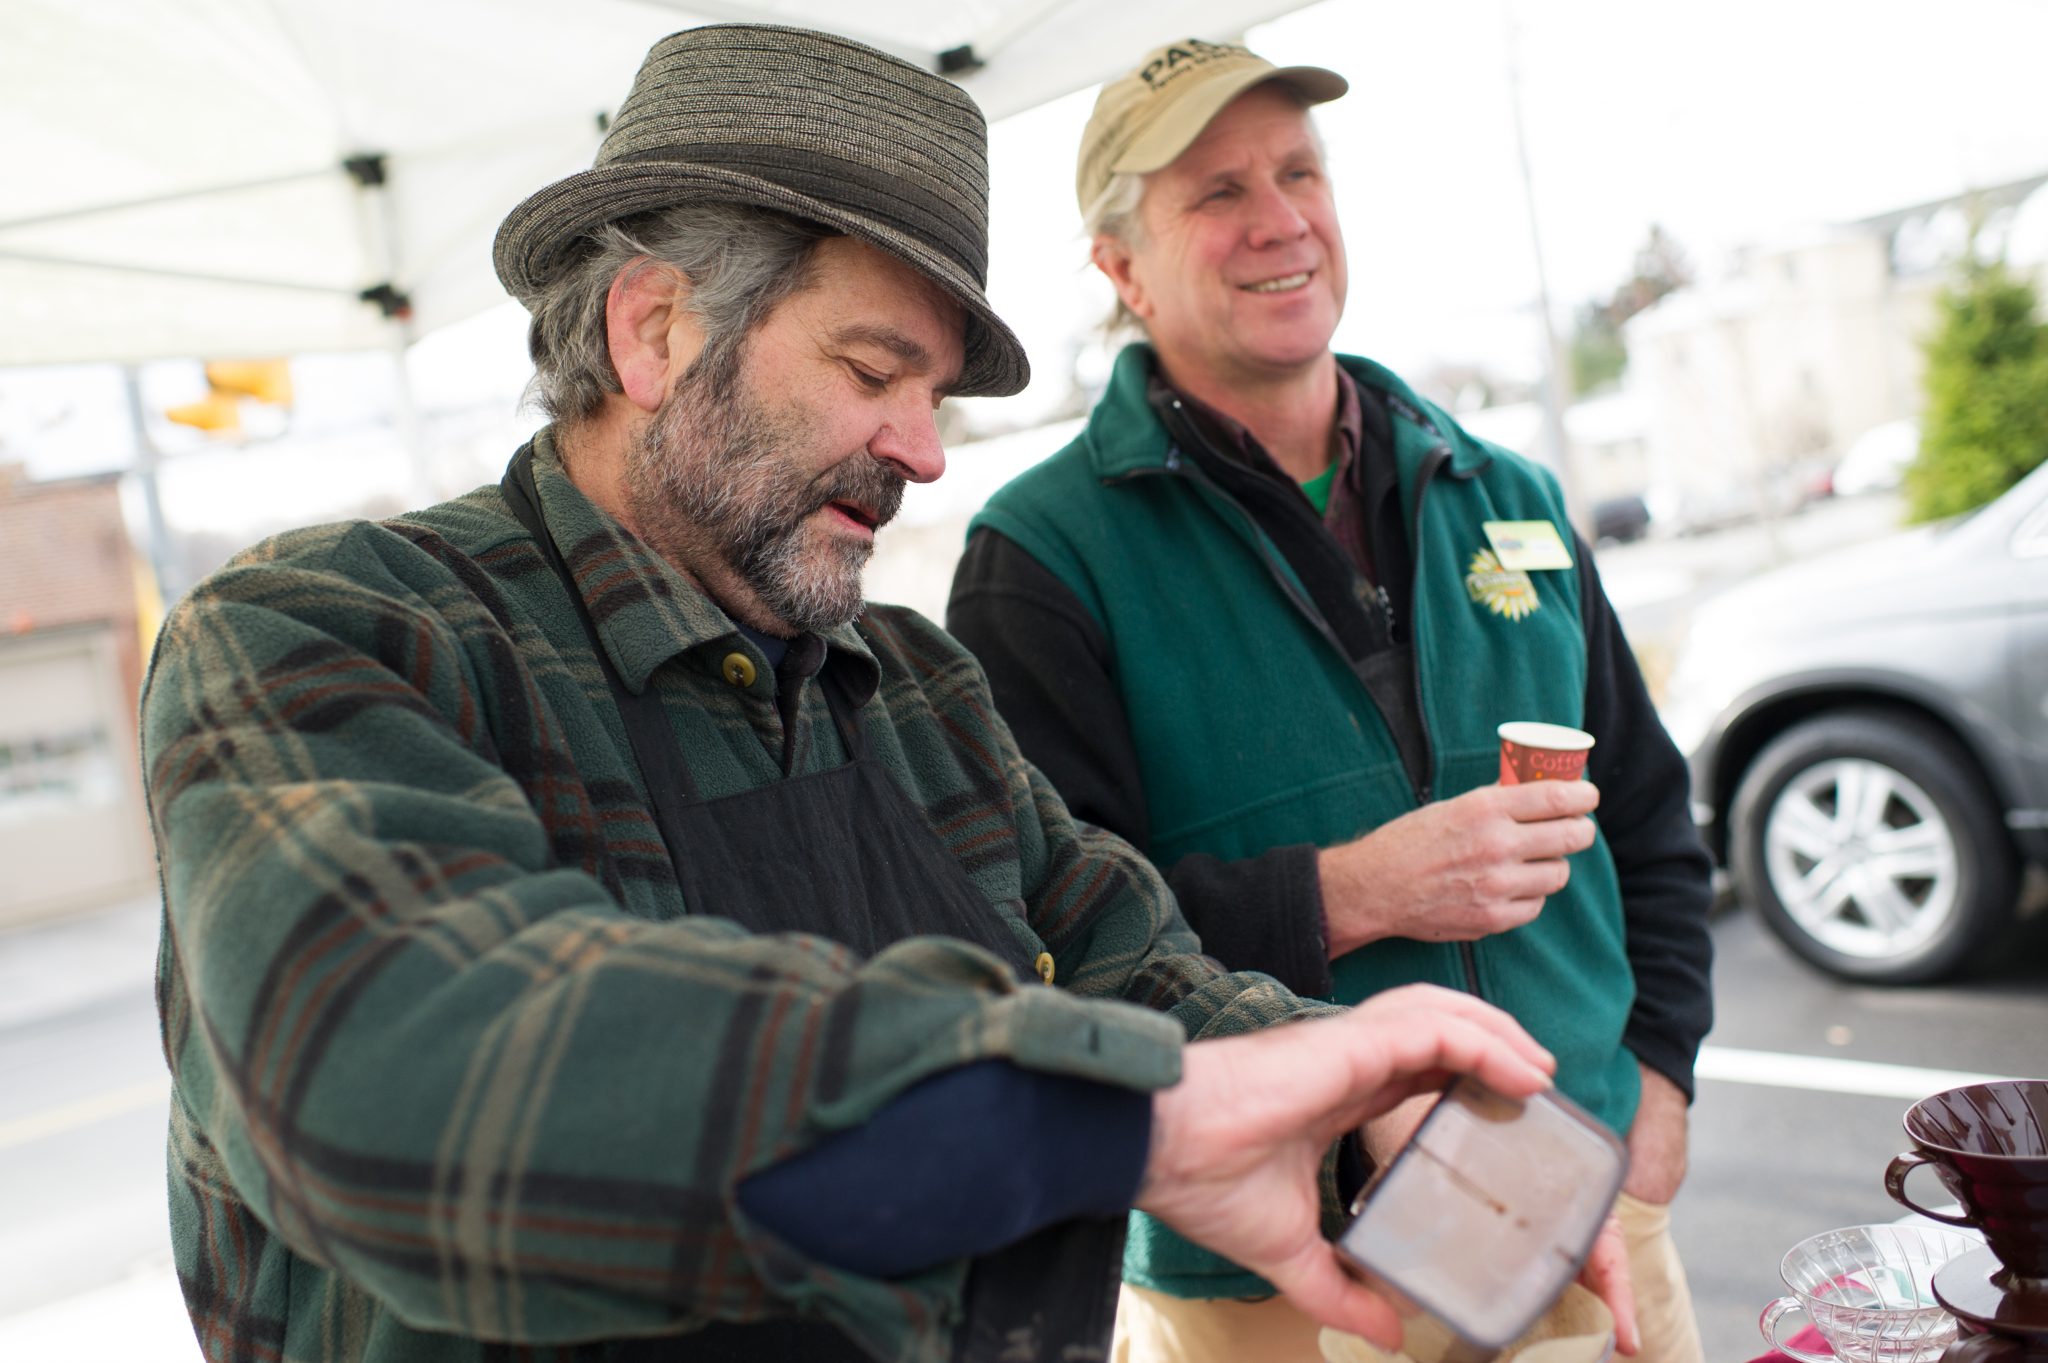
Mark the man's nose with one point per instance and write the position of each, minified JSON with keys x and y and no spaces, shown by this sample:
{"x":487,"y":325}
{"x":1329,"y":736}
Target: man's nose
{"x":909,"y":441}
{"x":1275,"y":218}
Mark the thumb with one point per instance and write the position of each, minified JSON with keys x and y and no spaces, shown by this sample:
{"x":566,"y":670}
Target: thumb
{"x":1321,"y":1289}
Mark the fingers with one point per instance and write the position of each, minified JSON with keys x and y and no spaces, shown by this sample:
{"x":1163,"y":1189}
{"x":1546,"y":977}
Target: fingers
{"x":1434,"y":998}
{"x":1425,"y":1031}
{"x":1606,"y":1276}
{"x":1534,"y":801}
{"x":1553,"y":837}
{"x":1386,"y":1057}
{"x":1547,"y":838}
{"x":1457,"y":1004}
{"x":1514,"y":1068}
{"x":1536,"y":880}
{"x":1541,"y":821}
{"x":1320,"y":1288}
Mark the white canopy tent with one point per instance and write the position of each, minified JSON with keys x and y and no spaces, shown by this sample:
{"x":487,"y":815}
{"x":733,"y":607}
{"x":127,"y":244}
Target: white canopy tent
{"x":267,"y":177}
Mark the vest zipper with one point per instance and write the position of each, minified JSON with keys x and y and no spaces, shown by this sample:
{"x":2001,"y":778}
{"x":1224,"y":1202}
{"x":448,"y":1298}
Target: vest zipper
{"x":1432,"y":464}
{"x":1193,"y":471}
{"x":1267,"y":554}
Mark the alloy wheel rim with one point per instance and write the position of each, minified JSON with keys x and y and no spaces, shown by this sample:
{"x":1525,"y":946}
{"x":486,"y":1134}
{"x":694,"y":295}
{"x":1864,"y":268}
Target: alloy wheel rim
{"x":1862,"y":859}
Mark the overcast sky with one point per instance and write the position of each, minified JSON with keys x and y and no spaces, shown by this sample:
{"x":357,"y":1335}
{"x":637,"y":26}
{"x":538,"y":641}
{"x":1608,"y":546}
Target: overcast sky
{"x":1740,"y":122}
{"x":1737,"y":123}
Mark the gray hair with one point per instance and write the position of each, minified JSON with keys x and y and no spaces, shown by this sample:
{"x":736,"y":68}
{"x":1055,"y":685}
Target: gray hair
{"x":1115,"y":214}
{"x":740,"y":262}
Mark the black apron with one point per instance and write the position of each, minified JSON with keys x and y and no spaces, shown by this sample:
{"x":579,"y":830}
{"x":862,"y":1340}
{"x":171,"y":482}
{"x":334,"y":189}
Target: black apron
{"x":844,"y":854}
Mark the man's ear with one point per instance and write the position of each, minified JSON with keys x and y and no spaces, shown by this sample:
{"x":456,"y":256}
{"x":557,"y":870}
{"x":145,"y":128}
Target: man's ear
{"x":653,"y":337}
{"x":1113,"y":257}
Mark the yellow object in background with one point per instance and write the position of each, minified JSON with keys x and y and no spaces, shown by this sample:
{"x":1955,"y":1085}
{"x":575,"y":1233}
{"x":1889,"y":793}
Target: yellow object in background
{"x":264,"y":380}
{"x":228,"y":383}
{"x":216,"y":413}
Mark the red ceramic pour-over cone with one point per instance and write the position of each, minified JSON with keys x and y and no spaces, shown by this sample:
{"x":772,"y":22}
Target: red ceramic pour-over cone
{"x":1988,"y":1144}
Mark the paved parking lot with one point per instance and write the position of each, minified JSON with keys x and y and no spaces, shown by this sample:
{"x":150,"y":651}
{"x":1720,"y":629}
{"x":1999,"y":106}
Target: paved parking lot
{"x":1773,"y":1164}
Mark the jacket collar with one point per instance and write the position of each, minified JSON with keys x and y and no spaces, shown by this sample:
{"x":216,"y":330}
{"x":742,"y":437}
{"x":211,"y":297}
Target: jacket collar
{"x":1123,"y":438}
{"x":645,"y":611}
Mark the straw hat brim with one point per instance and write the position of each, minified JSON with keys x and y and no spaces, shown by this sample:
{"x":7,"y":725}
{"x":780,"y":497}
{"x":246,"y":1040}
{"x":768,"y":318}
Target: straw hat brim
{"x":533,"y":245}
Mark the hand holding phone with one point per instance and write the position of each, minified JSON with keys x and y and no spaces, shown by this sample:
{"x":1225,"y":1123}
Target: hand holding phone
{"x":1486,"y":1216}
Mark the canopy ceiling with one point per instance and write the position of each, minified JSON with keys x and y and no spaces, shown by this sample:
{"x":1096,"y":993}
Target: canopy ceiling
{"x":175,"y":174}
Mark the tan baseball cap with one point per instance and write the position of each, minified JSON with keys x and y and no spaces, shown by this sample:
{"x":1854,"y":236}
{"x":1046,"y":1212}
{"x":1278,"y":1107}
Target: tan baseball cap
{"x":1144,"y":120}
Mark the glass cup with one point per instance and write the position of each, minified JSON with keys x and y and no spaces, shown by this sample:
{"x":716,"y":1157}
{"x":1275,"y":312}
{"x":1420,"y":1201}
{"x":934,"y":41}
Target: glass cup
{"x":1869,"y":1290}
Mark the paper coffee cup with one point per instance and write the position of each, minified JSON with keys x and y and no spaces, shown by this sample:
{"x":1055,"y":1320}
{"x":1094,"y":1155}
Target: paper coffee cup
{"x":1530,"y":751}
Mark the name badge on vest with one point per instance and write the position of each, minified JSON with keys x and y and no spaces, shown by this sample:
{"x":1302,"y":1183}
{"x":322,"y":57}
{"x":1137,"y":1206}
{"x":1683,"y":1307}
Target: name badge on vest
{"x":1527,"y":546}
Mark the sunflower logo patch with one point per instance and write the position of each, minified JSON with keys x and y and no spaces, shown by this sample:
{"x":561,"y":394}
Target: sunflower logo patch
{"x":1506,"y":592}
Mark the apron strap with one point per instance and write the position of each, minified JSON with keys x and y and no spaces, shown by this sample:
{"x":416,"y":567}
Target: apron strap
{"x":663,"y":769}
{"x":845,"y":714}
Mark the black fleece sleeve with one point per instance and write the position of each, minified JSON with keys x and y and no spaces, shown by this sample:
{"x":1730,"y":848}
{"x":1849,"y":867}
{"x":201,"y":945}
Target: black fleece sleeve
{"x":1051,"y":670}
{"x":1665,"y":875}
{"x":961,"y":1164}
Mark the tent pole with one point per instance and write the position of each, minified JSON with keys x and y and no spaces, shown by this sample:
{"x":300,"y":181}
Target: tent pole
{"x":1556,"y":379}
{"x":380,"y":227}
{"x":147,"y":460}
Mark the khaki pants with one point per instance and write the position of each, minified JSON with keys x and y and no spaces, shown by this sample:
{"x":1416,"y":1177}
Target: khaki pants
{"x":1154,"y":1328}
{"x":1671,"y":1333}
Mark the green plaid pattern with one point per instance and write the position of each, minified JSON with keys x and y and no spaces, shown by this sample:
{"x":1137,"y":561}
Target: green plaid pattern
{"x":456,"y":1078}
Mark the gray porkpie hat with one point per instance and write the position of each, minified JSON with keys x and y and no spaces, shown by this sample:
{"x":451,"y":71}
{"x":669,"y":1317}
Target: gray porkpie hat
{"x":810,"y":124}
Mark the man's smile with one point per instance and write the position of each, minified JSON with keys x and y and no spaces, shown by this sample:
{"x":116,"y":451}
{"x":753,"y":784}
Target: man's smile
{"x":1286,"y":283}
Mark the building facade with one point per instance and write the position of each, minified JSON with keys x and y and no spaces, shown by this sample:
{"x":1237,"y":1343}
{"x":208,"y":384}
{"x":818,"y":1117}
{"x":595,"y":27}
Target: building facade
{"x":1754,"y":384}
{"x":72,"y":830}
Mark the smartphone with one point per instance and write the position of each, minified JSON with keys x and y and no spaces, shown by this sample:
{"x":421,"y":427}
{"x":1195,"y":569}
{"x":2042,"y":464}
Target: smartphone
{"x":1485,"y":1217}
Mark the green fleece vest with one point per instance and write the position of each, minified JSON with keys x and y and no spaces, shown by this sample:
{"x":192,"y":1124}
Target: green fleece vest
{"x":1253,"y":732}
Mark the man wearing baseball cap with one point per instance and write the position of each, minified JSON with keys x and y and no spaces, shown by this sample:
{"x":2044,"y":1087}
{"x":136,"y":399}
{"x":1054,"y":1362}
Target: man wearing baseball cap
{"x":1263,"y":617}
{"x":590,"y":932}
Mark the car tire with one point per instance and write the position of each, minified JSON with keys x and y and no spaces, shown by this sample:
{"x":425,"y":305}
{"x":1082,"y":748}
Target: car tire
{"x":1872,"y":847}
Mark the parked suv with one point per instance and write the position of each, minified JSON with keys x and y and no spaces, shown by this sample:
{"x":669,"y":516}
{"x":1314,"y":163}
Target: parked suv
{"x":1868,"y":734}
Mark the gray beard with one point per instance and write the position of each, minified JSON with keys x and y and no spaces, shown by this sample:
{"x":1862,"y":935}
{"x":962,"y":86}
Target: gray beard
{"x":715,"y":477}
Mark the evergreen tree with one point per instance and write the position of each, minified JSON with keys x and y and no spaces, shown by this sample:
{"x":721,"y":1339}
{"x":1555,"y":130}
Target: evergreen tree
{"x":1986,"y":422}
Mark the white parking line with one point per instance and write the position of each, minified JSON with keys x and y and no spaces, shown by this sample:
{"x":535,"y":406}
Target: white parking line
{"x":1727,"y":1064}
{"x":1829,"y":1074}
{"x":56,"y":1121}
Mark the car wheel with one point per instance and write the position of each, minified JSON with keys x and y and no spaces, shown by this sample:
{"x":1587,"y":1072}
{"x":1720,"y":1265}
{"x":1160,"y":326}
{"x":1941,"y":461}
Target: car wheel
{"x":1872,"y":848}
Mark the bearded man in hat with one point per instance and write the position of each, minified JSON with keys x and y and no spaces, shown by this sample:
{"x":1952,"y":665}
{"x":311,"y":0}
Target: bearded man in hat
{"x":591,"y":933}
{"x":1259,"y":618}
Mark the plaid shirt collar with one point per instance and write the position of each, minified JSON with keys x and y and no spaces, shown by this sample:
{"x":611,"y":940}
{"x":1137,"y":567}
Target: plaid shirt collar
{"x":646,"y":611}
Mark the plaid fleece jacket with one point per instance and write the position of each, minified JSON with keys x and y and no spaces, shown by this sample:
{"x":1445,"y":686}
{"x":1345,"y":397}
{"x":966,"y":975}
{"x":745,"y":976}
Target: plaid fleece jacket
{"x":457,"y":1077}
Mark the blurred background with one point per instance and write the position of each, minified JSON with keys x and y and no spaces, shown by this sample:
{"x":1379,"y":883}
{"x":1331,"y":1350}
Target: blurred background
{"x":1760,"y":281}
